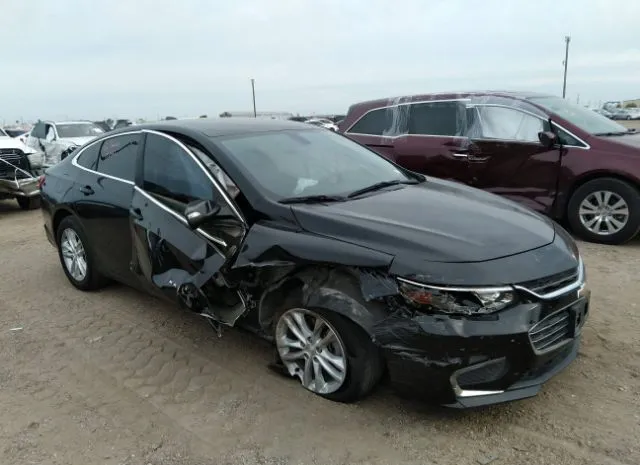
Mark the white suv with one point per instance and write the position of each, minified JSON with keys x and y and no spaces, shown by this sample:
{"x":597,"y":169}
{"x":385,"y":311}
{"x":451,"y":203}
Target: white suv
{"x":53,"y":138}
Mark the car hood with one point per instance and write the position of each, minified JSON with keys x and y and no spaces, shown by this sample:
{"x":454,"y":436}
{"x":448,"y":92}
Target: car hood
{"x":436,"y":221}
{"x":14,"y":143}
{"x":629,"y":140}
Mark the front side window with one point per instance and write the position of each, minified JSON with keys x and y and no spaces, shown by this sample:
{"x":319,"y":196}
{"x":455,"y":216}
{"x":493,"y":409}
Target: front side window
{"x":437,"y":119}
{"x":170,"y":173}
{"x":585,"y":119}
{"x":501,"y":123}
{"x":308,"y":162}
{"x":78,"y":130}
{"x":89,"y":157}
{"x":118,"y":156}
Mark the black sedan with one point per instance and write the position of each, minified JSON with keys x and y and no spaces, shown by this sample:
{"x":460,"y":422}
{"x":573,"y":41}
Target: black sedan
{"x":353,"y":266}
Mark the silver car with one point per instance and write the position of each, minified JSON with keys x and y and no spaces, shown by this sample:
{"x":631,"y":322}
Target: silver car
{"x":54,"y":138}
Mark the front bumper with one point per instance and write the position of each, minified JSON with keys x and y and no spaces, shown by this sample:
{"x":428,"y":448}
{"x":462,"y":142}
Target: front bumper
{"x":19,"y":187}
{"x":467,"y":362}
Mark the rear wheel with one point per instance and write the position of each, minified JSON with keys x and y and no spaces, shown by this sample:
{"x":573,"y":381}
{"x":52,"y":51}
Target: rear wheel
{"x":76,"y":257}
{"x":28,"y":203}
{"x":330,"y":355}
{"x":605,"y":210}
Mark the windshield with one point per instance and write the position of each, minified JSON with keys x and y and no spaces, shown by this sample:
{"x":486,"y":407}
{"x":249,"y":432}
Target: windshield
{"x":78,"y":130}
{"x":309,"y":163}
{"x":585,"y":119}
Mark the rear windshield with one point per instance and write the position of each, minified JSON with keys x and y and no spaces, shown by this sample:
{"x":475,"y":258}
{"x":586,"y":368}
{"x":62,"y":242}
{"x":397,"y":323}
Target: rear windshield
{"x":78,"y":130}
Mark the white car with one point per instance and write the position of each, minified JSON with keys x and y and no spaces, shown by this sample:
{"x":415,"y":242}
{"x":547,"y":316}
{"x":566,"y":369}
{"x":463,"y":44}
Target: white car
{"x":324,"y":123}
{"x":53,"y":138}
{"x":20,"y":167}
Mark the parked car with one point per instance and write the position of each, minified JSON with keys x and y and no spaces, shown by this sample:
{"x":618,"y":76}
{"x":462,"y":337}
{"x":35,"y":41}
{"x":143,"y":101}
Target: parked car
{"x":104,"y":125}
{"x":16,"y":132}
{"x":19,"y":170}
{"x":604,"y":112}
{"x":555,"y":157}
{"x":349,"y":263}
{"x":621,"y":114}
{"x":634,"y":113}
{"x":323,"y":123}
{"x":53,"y":138}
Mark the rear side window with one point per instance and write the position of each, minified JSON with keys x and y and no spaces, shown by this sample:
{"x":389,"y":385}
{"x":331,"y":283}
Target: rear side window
{"x":502,"y":123}
{"x":437,"y":119}
{"x":170,"y":172}
{"x":389,"y":121}
{"x":118,"y":156}
{"x":89,"y":157}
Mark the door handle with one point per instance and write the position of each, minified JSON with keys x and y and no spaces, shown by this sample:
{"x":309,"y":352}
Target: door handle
{"x":136,"y":213}
{"x":461,"y":155}
{"x":87,"y":190}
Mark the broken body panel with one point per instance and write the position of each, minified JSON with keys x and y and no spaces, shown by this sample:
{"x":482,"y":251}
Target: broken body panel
{"x":348,"y":258}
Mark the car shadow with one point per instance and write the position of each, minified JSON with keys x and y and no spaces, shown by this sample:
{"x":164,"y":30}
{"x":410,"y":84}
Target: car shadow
{"x":9,"y":206}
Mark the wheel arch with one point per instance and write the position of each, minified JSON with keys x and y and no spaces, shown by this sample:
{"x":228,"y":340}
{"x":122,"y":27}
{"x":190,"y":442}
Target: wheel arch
{"x":337,"y":289}
{"x":591,"y":176}
{"x":58,"y":216}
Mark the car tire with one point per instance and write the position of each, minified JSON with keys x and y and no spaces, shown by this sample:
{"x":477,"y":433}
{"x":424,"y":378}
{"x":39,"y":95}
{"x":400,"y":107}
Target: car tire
{"x":28,"y":203}
{"x":590,"y":193}
{"x":91,"y":279}
{"x":364,"y":365}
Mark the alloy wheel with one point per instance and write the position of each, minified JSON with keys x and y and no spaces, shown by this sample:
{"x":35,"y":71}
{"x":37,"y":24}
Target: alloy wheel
{"x":604,"y":212}
{"x":311,"y":350}
{"x":73,"y":254}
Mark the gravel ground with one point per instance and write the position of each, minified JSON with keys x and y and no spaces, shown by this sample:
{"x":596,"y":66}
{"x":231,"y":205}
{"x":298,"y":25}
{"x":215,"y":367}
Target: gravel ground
{"x":117,"y":377}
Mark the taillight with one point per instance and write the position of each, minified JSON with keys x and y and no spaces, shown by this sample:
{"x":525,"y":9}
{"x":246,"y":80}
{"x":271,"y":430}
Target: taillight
{"x":41,"y":180}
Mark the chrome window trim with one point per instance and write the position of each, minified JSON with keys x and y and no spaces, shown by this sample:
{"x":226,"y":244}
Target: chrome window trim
{"x":74,"y":160}
{"x":386,"y":107}
{"x":585,"y":147}
{"x":204,"y":169}
{"x":180,"y":218}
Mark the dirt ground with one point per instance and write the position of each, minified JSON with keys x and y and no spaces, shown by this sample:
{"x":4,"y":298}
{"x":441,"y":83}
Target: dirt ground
{"x":117,"y":377}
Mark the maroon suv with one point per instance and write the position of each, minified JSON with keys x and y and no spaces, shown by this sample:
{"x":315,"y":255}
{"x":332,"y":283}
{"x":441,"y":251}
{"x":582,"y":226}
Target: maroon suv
{"x":558,"y":158}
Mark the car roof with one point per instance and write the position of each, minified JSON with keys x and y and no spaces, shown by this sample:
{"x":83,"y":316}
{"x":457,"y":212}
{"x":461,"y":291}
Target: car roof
{"x":216,"y":127}
{"x":449,"y":96}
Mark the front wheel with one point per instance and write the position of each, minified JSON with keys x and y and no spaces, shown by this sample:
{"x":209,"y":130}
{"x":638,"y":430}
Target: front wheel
{"x":605,"y":210}
{"x":28,"y":203}
{"x":329,"y":354}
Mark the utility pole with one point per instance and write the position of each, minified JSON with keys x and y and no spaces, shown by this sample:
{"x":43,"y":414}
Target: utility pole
{"x":567,"y":39}
{"x":253,"y":92}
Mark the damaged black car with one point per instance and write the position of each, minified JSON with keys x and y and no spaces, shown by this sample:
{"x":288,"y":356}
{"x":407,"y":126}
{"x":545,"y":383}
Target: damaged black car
{"x":356,"y":268}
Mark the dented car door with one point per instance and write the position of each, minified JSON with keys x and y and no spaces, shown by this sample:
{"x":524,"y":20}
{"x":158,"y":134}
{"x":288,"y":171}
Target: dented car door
{"x":172,"y":256}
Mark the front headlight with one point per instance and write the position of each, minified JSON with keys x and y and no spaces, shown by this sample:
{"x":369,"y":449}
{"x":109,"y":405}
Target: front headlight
{"x":471,"y":301}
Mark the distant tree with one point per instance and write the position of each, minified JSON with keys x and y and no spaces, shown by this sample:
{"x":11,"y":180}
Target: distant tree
{"x":631,"y":105}
{"x":110,"y":122}
{"x":168,"y":118}
{"x":226,"y":114}
{"x":203,"y":116}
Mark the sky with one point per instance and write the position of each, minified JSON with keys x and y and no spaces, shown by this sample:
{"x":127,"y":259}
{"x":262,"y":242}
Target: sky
{"x":134,"y":59}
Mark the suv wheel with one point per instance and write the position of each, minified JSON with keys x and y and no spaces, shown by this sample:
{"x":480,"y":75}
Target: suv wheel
{"x":76,"y":256}
{"x":605,"y":210}
{"x":329,"y":354}
{"x":28,"y":203}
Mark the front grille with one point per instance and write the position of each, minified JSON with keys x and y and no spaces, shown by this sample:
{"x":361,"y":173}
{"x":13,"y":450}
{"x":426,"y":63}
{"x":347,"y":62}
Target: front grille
{"x":552,"y":283}
{"x":16,"y":158}
{"x":551,"y":331}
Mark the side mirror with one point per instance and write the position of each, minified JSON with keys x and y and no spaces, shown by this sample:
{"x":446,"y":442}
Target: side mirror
{"x":199,"y":212}
{"x":548,"y":139}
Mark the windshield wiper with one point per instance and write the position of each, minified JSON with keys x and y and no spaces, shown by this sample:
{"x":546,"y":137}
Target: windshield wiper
{"x":313,"y":199}
{"x":381,"y":185}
